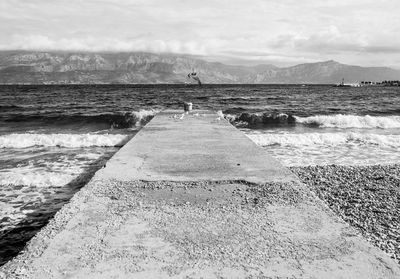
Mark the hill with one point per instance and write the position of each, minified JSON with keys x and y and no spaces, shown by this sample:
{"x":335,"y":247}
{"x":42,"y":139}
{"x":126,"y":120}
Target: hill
{"x":26,"y":67}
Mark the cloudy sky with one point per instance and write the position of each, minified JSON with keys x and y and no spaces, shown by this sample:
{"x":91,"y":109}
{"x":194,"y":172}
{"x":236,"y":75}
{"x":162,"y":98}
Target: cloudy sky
{"x":282,"y":32}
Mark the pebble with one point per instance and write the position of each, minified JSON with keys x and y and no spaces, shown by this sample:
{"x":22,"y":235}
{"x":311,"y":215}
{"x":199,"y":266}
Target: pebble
{"x":366,"y":197}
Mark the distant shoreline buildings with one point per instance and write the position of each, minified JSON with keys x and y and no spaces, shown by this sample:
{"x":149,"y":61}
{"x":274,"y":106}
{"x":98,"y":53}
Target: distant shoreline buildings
{"x":369,"y":83}
{"x":382,"y":83}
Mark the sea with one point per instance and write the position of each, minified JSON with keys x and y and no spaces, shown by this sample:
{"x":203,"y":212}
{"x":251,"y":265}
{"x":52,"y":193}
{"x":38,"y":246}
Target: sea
{"x":53,"y":138}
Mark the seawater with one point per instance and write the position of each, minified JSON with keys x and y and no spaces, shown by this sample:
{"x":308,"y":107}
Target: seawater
{"x":53,"y":138}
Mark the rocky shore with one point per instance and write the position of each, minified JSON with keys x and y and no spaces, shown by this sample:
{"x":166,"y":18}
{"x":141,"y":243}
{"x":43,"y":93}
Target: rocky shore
{"x":366,"y":197}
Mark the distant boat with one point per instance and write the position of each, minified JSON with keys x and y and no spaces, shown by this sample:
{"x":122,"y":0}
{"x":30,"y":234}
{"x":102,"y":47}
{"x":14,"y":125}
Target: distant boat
{"x":342,"y":84}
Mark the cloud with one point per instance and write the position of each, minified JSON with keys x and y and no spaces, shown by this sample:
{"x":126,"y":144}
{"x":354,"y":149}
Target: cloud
{"x":331,"y":40}
{"x":254,"y":58}
{"x":382,"y":49}
{"x":286,"y":30}
{"x":44,"y":43}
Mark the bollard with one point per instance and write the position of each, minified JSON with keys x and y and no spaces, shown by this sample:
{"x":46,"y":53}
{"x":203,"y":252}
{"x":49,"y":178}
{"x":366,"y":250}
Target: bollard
{"x":187,"y":106}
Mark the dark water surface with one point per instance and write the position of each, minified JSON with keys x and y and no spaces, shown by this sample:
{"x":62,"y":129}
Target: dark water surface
{"x":98,"y":103}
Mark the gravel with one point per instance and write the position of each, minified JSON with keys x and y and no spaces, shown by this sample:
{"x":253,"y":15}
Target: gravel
{"x":366,"y":197}
{"x":225,"y":211}
{"x":221,"y":229}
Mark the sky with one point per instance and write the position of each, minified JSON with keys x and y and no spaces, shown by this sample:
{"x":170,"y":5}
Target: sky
{"x":280,"y":32}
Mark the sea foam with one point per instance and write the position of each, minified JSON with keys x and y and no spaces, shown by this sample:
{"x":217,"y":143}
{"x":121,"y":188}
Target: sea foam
{"x":331,"y":139}
{"x":37,"y":178}
{"x":143,"y":116}
{"x":351,"y":121}
{"x":61,"y":140}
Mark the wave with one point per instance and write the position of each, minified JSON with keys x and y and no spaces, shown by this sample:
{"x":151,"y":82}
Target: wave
{"x":351,"y":121}
{"x":261,"y":119}
{"x":143,"y":116}
{"x":323,"y":121}
{"x":330,"y":139}
{"x":118,"y":120}
{"x":61,"y":140}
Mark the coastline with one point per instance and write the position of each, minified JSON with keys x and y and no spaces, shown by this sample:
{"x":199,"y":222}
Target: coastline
{"x":365,"y":197}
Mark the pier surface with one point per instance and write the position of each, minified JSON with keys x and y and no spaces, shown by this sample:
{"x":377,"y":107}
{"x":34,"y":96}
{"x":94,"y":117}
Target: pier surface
{"x":191,"y":197}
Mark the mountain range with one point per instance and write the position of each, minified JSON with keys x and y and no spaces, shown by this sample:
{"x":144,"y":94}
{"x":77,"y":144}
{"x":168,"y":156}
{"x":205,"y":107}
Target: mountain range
{"x":33,"y":67}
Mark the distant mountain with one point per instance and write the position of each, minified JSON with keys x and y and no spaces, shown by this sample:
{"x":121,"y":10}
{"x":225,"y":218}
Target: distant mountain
{"x":333,"y":72}
{"x":26,"y":67}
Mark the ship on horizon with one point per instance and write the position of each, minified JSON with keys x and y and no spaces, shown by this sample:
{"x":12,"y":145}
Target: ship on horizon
{"x":342,"y":84}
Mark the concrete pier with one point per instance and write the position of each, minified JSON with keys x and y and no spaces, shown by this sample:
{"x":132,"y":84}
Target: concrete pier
{"x":191,"y":197}
{"x":200,"y":146}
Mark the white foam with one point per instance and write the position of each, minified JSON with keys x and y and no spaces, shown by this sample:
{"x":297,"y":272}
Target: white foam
{"x":351,"y":121}
{"x":351,"y":148}
{"x":331,"y":139}
{"x":228,"y":117}
{"x":37,"y":178}
{"x":89,"y":156}
{"x":143,"y":115}
{"x":35,"y":185}
{"x":43,"y":173}
{"x":61,"y":140}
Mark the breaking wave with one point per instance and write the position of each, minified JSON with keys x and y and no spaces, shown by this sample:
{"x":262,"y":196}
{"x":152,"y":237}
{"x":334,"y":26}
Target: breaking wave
{"x":323,"y":121}
{"x":351,"y":121}
{"x":261,"y":119}
{"x":61,"y":140}
{"x":118,"y":120}
{"x":143,"y":116}
{"x":330,"y":139}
